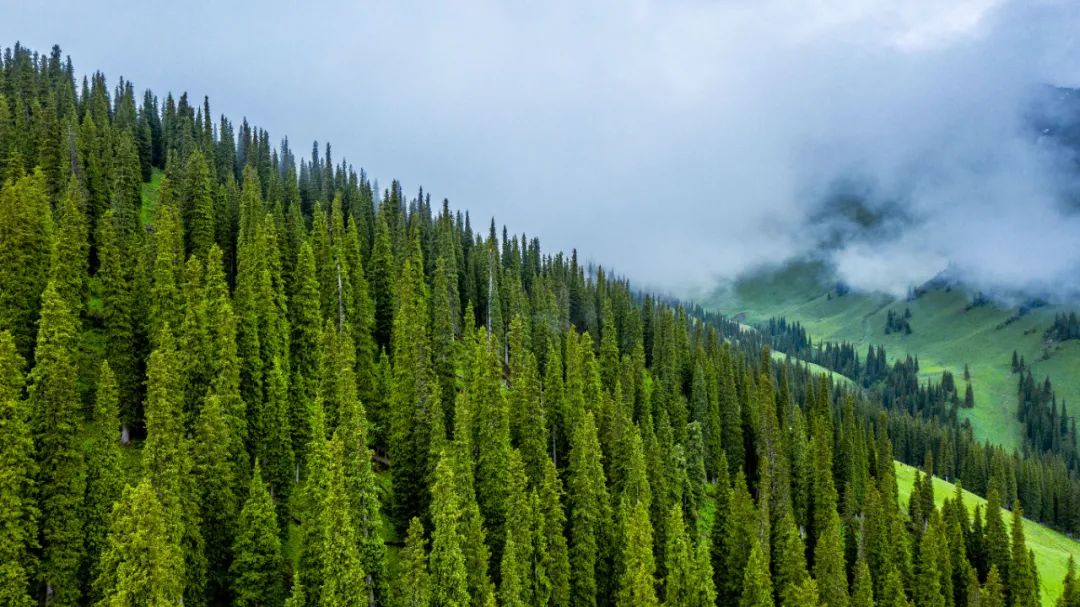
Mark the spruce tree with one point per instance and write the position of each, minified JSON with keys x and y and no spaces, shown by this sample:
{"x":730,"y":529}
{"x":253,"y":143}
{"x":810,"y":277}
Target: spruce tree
{"x":18,"y":509}
{"x":730,"y":549}
{"x":829,"y":567}
{"x":141,"y":564}
{"x":993,"y":593}
{"x":998,"y":547}
{"x":1022,"y":585}
{"x":197,"y":201}
{"x":413,"y":588}
{"x":492,"y":439}
{"x":105,"y":477}
{"x":297,"y":597}
{"x":590,"y":513}
{"x":637,"y":584}
{"x":217,"y":496}
{"x":118,"y":309}
{"x":257,"y":564}
{"x":274,"y":443}
{"x":554,"y":520}
{"x":54,"y":400}
{"x":862,"y":587}
{"x":449,"y":579}
{"x":168,"y":463}
{"x":71,"y":255}
{"x":342,"y":574}
{"x":415,"y":399}
{"x":689,"y":580}
{"x":306,"y":325}
{"x":757,"y":585}
{"x":892,"y":594}
{"x":26,"y":241}
{"x":927,"y":588}
{"x":789,"y":561}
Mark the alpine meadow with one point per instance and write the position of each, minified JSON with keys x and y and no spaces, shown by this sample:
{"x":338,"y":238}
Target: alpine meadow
{"x":237,"y":373}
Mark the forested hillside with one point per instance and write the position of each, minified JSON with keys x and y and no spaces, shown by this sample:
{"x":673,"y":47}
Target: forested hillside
{"x":232,"y":375}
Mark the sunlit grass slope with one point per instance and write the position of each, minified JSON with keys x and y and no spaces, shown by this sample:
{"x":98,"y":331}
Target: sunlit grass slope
{"x":1052,"y":549}
{"x":946,"y":335}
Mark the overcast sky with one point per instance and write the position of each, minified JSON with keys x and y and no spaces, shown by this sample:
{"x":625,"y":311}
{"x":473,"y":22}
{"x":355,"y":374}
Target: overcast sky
{"x":678,"y":142}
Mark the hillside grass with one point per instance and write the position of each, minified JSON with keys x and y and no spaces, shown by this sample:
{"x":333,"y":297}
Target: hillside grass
{"x":151,"y":192}
{"x":815,"y":369}
{"x":945,"y":335}
{"x":1052,"y":549}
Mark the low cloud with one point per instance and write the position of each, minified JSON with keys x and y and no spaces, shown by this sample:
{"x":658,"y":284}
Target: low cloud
{"x":681,"y":143}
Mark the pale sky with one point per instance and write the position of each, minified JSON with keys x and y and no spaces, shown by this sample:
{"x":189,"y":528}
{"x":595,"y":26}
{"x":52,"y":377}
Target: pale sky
{"x":679,"y":142}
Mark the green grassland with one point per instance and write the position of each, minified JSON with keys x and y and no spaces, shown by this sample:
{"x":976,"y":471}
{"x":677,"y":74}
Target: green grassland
{"x":151,"y":191}
{"x":1052,"y":549}
{"x":946,"y":334}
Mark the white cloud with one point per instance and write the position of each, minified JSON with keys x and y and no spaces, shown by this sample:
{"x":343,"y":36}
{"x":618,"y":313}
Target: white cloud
{"x":681,"y":142}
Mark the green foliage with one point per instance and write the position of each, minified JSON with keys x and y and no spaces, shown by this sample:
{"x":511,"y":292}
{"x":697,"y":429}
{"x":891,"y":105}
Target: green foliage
{"x":18,"y":509}
{"x":250,"y":306}
{"x":105,"y":478}
{"x":413,"y":588}
{"x":590,"y":513}
{"x":415,"y":399}
{"x":256,"y":568}
{"x":26,"y":242}
{"x":757,"y":585}
{"x":637,"y":586}
{"x":341,"y":573}
{"x":57,"y":413}
{"x":142,"y":565}
{"x":449,"y":579}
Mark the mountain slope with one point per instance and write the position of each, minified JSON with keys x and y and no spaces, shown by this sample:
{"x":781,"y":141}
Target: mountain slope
{"x":947,"y":333}
{"x":1052,"y":549}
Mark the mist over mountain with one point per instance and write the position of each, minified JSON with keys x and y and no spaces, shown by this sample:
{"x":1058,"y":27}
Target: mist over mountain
{"x":708,"y":138}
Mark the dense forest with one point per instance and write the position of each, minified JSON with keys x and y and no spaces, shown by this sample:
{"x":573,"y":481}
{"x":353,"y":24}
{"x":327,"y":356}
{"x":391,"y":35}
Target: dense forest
{"x":229,"y":375}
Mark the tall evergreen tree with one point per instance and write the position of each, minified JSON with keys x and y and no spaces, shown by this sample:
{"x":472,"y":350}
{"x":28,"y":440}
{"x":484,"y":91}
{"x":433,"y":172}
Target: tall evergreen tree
{"x":71,"y":255}
{"x":415,"y":398}
{"x":26,"y":241}
{"x":104,"y":479}
{"x":757,"y":585}
{"x":18,"y":508}
{"x":54,"y":400}
{"x":637,"y":584}
{"x":1023,"y":588}
{"x":342,"y":574}
{"x":449,"y":579}
{"x":590,"y":513}
{"x":413,"y":588}
{"x":142,"y":564}
{"x":256,"y":568}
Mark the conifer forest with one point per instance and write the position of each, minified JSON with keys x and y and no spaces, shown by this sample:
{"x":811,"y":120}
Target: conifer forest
{"x":233,"y":372}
